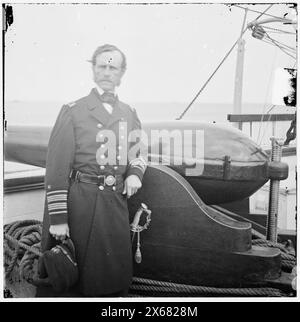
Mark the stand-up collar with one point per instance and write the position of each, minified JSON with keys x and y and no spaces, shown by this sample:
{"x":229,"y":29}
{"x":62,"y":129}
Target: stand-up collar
{"x":98,"y":111}
{"x":101,"y":91}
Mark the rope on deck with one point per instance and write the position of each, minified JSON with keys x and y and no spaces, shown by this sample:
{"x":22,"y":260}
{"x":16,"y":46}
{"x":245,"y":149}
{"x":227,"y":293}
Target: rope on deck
{"x":173,"y":289}
{"x":22,"y":242}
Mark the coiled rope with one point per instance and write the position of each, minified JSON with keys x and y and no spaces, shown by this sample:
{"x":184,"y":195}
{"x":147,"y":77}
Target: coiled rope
{"x":156,"y":288}
{"x":22,"y":242}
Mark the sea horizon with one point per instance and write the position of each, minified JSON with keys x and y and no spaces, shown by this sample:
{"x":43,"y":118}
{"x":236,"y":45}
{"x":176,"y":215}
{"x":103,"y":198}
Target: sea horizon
{"x":44,"y":113}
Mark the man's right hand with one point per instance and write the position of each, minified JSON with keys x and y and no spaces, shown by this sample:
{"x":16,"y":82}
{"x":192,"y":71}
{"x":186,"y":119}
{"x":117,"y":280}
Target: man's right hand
{"x":60,"y":232}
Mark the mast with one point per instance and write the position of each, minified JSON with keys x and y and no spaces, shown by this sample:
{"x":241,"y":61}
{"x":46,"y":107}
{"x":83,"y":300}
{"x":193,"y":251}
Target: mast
{"x":238,"y":83}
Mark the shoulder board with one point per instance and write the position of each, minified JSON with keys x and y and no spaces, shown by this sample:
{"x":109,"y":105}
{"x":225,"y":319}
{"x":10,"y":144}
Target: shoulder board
{"x":72,"y":104}
{"x":132,"y":109}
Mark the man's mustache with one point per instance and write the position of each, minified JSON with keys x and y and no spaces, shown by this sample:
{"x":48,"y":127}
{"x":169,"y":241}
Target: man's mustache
{"x":105,"y":80}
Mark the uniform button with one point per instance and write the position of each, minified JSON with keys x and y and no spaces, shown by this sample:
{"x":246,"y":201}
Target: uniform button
{"x":120,"y":147}
{"x":122,"y":137}
{"x":102,"y":156}
{"x":101,"y":187}
{"x":102,"y":145}
{"x":115,"y":167}
{"x":99,"y":125}
{"x":118,"y":157}
{"x":114,"y":188}
{"x":102,"y":167}
{"x":122,"y":127}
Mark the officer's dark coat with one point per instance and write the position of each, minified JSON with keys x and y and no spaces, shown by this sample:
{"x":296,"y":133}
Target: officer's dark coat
{"x":98,"y":219}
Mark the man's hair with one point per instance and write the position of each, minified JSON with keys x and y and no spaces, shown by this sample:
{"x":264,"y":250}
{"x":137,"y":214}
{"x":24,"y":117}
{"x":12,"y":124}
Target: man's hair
{"x":106,"y":48}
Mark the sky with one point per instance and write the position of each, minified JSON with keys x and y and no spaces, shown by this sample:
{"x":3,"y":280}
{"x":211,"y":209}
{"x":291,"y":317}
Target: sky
{"x":171,"y":51}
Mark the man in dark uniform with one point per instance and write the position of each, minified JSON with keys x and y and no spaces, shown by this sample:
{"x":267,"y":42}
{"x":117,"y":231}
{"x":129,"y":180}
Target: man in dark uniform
{"x":89,"y":177}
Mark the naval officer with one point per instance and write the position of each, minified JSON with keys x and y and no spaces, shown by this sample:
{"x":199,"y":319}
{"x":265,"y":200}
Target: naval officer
{"x":89,"y":178}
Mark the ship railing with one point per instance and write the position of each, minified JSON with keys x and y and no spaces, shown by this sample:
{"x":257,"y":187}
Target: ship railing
{"x":260,"y":127}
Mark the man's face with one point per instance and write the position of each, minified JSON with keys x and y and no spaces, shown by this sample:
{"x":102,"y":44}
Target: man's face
{"x":108,"y":70}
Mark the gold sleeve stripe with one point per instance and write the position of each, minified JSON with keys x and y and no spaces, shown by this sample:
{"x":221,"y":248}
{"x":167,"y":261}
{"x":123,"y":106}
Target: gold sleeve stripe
{"x":57,"y":198}
{"x":57,"y":212}
{"x":55,"y":192}
{"x":139,"y":163}
{"x":57,"y":202}
{"x":57,"y":206}
{"x":139,"y":160}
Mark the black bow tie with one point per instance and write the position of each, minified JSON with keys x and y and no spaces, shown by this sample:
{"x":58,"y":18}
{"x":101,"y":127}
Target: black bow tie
{"x":108,"y":98}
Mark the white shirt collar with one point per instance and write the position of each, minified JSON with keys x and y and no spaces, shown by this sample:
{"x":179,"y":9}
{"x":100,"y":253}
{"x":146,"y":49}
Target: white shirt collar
{"x":107,"y":106}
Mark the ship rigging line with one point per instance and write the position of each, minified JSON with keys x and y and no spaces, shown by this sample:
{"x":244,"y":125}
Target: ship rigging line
{"x":261,"y":13}
{"x":271,"y":41}
{"x":264,"y":132}
{"x":265,"y":101}
{"x":222,"y":61}
{"x":280,"y":30}
{"x":280,"y":43}
{"x":285,"y":50}
{"x":267,"y":91}
{"x":211,"y":76}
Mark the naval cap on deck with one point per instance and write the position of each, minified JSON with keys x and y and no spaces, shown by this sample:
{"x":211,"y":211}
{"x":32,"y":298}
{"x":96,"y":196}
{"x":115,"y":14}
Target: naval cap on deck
{"x":58,"y":267}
